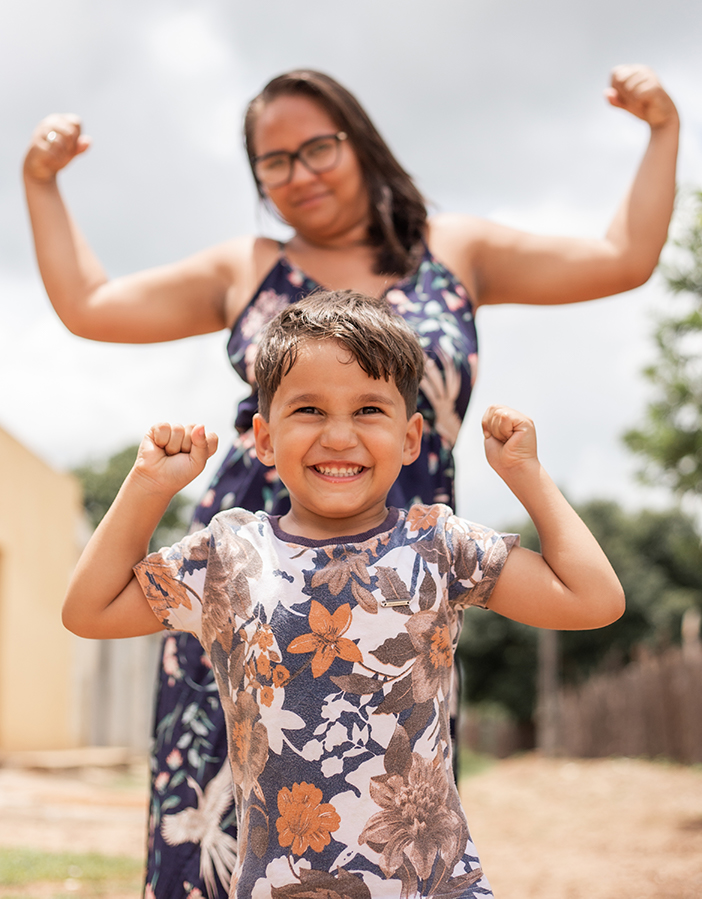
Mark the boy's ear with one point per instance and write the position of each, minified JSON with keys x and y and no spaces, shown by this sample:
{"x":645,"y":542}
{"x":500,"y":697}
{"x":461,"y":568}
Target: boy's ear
{"x":262,"y":436}
{"x":413,"y":439}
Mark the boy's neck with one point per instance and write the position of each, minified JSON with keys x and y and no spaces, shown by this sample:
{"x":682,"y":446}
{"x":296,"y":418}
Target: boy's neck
{"x":315,"y":527}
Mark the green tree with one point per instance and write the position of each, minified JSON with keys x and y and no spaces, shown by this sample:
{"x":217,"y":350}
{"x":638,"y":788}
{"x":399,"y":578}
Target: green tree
{"x":658,"y":559}
{"x":670,"y":440}
{"x":101,"y":482}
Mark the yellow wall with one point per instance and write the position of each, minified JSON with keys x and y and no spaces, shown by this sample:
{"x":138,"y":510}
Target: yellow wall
{"x":40,"y":513}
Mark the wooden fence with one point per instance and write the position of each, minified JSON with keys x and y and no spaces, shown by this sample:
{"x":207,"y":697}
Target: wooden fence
{"x":650,"y":708}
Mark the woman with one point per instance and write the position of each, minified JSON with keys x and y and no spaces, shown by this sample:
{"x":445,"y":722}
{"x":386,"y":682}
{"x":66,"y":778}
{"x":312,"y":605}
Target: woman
{"x":358,"y":222}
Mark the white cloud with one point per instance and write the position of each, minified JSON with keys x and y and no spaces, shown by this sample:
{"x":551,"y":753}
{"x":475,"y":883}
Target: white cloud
{"x":185,"y":44}
{"x":189,"y":54}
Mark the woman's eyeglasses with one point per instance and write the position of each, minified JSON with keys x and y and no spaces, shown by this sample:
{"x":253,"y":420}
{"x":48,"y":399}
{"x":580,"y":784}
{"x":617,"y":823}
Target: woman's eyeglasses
{"x":318,"y":155}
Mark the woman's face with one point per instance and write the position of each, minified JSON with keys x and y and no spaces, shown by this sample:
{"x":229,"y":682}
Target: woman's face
{"x":321,"y":207}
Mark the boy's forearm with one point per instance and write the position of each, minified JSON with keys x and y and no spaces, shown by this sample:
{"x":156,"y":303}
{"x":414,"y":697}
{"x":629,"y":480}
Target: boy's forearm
{"x":568,"y":547}
{"x":557,"y":524}
{"x":104,"y":600}
{"x":104,"y":570}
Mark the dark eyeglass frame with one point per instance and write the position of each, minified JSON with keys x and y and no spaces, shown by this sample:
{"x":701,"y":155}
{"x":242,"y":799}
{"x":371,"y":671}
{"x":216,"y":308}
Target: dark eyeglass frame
{"x":338,"y":138}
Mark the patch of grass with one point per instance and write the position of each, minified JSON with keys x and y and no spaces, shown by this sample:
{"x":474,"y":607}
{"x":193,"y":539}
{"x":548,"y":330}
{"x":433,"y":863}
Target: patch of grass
{"x":470,"y":763}
{"x":85,"y":874}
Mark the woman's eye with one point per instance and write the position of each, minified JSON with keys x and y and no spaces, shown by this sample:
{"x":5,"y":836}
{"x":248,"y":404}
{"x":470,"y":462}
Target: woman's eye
{"x":320,"y":148}
{"x":273,"y":163}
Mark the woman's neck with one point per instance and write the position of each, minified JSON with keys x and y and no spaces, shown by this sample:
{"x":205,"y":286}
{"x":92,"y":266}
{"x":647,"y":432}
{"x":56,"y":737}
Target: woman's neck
{"x":341,"y":241}
{"x":347,"y":266}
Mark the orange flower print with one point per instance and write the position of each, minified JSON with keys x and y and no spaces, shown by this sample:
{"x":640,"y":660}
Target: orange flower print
{"x":162,"y":586}
{"x":441,"y":652}
{"x":281,"y":676}
{"x":263,"y":663}
{"x":248,"y":742}
{"x":421,"y":518}
{"x":266,"y":696}
{"x":326,"y":640}
{"x":264,"y":637}
{"x":431,"y":636}
{"x":305,"y":821}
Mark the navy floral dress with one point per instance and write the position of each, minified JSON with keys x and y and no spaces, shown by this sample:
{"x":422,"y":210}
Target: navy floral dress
{"x":189,"y":762}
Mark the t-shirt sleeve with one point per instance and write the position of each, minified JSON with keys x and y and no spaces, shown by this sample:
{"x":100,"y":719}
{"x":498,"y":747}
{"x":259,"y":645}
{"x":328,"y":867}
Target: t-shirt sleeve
{"x":173,"y":580}
{"x":478,"y":555}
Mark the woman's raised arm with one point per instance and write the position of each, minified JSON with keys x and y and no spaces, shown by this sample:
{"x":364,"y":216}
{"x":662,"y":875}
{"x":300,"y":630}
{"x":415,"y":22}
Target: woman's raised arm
{"x":194,"y":296}
{"x":504,"y":265}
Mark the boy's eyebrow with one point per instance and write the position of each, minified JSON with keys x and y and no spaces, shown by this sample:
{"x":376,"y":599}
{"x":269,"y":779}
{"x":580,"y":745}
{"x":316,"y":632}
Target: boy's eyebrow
{"x":363,"y":399}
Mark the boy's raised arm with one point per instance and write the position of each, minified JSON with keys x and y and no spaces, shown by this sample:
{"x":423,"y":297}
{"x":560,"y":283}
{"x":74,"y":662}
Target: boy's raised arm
{"x":104,"y":599}
{"x":571,"y":584}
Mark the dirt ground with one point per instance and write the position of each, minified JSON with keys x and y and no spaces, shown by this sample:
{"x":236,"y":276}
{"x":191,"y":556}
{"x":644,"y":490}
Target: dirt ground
{"x":545,"y":829}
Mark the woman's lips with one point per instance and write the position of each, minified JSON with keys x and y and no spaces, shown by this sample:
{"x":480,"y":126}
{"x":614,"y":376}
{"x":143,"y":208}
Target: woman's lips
{"x":309,"y":200}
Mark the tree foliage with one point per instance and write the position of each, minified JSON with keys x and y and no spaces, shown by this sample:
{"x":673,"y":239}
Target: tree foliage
{"x":670,"y":440}
{"x":101,"y":482}
{"x":658,"y":559}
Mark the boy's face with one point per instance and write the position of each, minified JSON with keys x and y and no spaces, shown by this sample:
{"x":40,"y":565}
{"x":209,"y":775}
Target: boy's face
{"x":338,"y":439}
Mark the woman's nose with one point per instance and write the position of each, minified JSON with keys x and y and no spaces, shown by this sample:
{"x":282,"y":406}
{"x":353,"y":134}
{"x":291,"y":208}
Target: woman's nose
{"x":300,"y":173}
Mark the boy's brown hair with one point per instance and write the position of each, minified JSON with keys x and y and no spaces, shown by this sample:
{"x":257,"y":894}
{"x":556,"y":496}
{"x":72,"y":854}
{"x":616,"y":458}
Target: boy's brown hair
{"x":378,"y":339}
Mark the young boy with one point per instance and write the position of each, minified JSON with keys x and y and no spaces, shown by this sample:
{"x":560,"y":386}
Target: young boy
{"x":332,"y":629}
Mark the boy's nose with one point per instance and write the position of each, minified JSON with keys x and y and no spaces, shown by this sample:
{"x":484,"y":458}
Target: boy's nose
{"x":338,"y":434}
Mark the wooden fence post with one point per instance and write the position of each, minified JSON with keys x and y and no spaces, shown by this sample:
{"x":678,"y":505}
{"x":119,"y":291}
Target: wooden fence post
{"x":548,"y":705}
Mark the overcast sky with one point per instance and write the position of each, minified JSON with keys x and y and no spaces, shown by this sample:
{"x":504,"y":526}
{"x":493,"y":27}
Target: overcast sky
{"x":495,"y":106}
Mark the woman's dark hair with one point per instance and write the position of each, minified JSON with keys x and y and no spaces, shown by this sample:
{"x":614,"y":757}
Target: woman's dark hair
{"x":398,"y":211}
{"x":380,"y":341}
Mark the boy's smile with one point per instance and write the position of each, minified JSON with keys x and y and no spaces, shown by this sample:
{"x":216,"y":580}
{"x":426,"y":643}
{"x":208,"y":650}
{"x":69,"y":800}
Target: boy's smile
{"x":338,"y":439}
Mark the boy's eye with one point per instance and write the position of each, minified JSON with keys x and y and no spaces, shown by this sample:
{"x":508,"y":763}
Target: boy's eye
{"x":306,"y":410}
{"x":371,"y":410}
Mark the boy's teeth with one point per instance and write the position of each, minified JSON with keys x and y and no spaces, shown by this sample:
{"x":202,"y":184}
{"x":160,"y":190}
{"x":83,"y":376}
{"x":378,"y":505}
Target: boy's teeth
{"x":339,"y":472}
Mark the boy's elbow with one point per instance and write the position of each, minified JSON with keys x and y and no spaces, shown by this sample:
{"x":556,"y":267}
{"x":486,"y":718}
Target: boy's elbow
{"x":597,"y":607}
{"x":618,"y":604}
{"x":70,"y":624}
{"x":611,"y":605}
{"x":74,"y":622}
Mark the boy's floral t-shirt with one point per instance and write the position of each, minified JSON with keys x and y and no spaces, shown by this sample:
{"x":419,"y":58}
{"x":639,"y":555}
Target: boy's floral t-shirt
{"x":333,"y":662}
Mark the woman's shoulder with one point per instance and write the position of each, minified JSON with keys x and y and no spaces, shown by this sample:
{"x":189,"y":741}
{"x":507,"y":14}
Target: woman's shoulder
{"x":455,"y":227}
{"x":454,"y":239}
{"x":245,"y":261}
